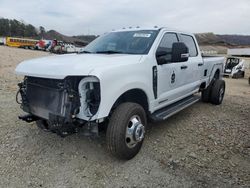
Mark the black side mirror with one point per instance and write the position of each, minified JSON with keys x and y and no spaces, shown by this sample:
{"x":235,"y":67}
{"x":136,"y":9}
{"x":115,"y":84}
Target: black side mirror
{"x":161,"y":53}
{"x":163,"y":56}
{"x":180,"y":52}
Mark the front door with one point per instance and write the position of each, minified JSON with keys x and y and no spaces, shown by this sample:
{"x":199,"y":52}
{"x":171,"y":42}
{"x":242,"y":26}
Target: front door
{"x":171,"y":75}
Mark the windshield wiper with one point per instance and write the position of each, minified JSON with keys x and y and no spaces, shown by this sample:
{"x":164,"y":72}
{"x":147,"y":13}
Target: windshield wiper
{"x":109,"y":52}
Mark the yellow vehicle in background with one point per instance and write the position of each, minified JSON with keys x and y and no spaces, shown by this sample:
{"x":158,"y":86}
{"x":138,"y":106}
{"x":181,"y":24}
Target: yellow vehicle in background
{"x":21,"y":42}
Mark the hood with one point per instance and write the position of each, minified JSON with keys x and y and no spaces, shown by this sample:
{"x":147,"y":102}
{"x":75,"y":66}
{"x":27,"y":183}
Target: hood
{"x":60,"y":66}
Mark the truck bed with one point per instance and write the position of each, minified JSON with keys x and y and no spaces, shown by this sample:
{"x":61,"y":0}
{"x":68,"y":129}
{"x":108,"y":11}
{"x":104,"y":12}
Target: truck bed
{"x":217,"y":59}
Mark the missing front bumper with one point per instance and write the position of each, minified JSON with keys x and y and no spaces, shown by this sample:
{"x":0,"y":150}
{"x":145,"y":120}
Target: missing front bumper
{"x":54,"y":100}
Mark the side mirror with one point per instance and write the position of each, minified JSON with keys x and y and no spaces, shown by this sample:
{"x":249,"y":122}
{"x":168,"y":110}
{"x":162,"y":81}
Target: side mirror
{"x":163,"y":56}
{"x":180,"y":52}
{"x":161,"y":53}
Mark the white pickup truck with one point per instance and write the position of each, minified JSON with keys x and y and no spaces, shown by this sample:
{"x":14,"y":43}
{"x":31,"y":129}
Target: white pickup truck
{"x":120,"y":80}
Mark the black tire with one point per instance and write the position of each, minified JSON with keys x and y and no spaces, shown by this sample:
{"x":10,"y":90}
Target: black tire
{"x":217,"y":92}
{"x":117,"y":142}
{"x":240,"y":74}
{"x":42,"y":124}
{"x":206,"y":94}
{"x":249,"y":80}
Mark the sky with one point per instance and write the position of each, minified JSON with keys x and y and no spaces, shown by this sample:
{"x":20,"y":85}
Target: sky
{"x":75,"y":17}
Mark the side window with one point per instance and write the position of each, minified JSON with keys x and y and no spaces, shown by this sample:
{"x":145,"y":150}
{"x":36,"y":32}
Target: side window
{"x":166,"y":45}
{"x":189,"y":41}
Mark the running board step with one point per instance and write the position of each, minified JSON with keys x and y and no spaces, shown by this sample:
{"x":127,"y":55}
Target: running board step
{"x":174,"y":108}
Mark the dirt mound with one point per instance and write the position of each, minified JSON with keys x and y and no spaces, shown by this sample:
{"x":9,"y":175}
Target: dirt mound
{"x":210,"y":38}
{"x":52,"y":34}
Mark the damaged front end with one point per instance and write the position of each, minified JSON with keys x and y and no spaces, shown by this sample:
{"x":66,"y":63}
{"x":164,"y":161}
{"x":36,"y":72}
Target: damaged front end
{"x":57,"y":103}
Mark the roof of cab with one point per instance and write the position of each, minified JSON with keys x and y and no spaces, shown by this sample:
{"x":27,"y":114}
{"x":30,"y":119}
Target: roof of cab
{"x":149,"y":28}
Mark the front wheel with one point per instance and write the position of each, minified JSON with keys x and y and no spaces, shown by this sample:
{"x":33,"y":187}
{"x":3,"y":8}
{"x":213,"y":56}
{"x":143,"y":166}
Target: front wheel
{"x":126,"y":130}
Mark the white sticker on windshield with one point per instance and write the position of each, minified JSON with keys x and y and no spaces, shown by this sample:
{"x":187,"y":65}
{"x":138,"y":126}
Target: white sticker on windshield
{"x":145,"y":35}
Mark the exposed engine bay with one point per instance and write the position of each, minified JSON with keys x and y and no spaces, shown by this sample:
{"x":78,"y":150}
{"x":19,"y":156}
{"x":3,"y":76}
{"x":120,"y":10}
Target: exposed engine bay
{"x":61,"y":104}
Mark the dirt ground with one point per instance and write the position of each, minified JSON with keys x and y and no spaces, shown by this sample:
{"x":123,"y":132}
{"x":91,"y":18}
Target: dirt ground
{"x":202,"y":146}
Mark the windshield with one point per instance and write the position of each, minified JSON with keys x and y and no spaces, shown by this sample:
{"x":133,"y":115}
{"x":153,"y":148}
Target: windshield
{"x":231,"y":63}
{"x":125,"y":42}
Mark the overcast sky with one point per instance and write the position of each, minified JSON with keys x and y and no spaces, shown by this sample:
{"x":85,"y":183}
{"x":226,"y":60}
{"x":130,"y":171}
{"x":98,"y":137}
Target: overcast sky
{"x":73,"y":17}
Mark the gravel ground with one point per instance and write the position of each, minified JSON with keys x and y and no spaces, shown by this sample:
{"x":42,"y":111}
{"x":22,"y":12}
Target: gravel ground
{"x":202,"y":146}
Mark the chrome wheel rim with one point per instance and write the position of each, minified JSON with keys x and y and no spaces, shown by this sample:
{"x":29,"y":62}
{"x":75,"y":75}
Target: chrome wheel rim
{"x":221,"y":94}
{"x":135,"y":131}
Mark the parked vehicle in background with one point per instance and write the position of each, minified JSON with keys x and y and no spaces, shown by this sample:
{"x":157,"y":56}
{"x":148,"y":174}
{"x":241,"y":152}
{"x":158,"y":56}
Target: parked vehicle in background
{"x":43,"y":45}
{"x":234,"y":67}
{"x":121,"y":80}
{"x":21,"y":42}
{"x":69,"y":48}
{"x":60,"y":47}
{"x":2,"y":40}
{"x":57,"y":47}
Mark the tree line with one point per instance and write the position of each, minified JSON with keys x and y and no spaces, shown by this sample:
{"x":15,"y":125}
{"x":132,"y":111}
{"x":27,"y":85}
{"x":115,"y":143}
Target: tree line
{"x":15,"y":28}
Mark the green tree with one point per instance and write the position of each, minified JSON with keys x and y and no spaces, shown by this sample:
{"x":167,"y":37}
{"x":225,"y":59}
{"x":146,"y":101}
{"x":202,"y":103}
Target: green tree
{"x":41,"y":30}
{"x":17,"y":28}
{"x":4,"y":27}
{"x":30,"y":31}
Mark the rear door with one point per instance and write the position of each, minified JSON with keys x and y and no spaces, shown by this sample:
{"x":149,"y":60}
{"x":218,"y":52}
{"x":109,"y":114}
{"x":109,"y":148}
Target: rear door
{"x":194,"y":71}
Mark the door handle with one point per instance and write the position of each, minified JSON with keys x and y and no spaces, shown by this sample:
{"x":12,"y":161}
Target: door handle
{"x":184,"y":67}
{"x":200,"y":64}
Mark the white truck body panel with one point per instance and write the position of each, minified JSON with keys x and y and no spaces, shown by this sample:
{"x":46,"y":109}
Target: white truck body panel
{"x":61,"y":66}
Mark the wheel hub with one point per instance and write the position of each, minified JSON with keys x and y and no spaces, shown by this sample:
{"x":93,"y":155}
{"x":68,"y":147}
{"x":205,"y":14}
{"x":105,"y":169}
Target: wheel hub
{"x":135,"y":131}
{"x":139,"y":132}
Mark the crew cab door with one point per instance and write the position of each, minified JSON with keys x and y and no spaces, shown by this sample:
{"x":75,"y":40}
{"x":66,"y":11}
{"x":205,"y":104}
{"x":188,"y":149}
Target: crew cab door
{"x":171,"y":75}
{"x":194,"y":71}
